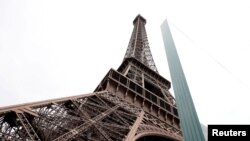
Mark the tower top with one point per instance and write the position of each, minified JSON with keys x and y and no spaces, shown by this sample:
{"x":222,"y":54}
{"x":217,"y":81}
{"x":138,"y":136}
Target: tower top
{"x":139,"y":17}
{"x":138,"y":47}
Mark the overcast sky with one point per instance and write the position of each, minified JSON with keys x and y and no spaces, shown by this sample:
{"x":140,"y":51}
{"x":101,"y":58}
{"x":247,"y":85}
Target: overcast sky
{"x":57,"y":48}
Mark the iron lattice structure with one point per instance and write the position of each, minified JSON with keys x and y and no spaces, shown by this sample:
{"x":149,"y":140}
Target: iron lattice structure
{"x":131,"y":103}
{"x":138,"y":45}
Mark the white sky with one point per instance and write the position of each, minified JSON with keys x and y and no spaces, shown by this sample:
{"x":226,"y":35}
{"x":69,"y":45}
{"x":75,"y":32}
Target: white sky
{"x":57,"y":48}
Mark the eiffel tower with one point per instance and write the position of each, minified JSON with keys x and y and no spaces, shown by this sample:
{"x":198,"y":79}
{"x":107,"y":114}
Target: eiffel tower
{"x":132,"y":103}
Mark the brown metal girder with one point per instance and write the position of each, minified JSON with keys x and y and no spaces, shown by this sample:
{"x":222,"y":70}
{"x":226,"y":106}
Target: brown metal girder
{"x":146,"y":99}
{"x":85,"y":125}
{"x":55,"y":116}
{"x":114,"y":125}
{"x":168,"y":112}
{"x":115,"y":112}
{"x":86,"y":115}
{"x":110,"y":77}
{"x":45,"y":102}
{"x":114,"y":133}
{"x":141,"y":66}
{"x":27,"y":126}
{"x":135,"y":126}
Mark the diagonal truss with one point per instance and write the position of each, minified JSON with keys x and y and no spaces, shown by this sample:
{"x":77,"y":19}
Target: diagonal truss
{"x":101,"y":116}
